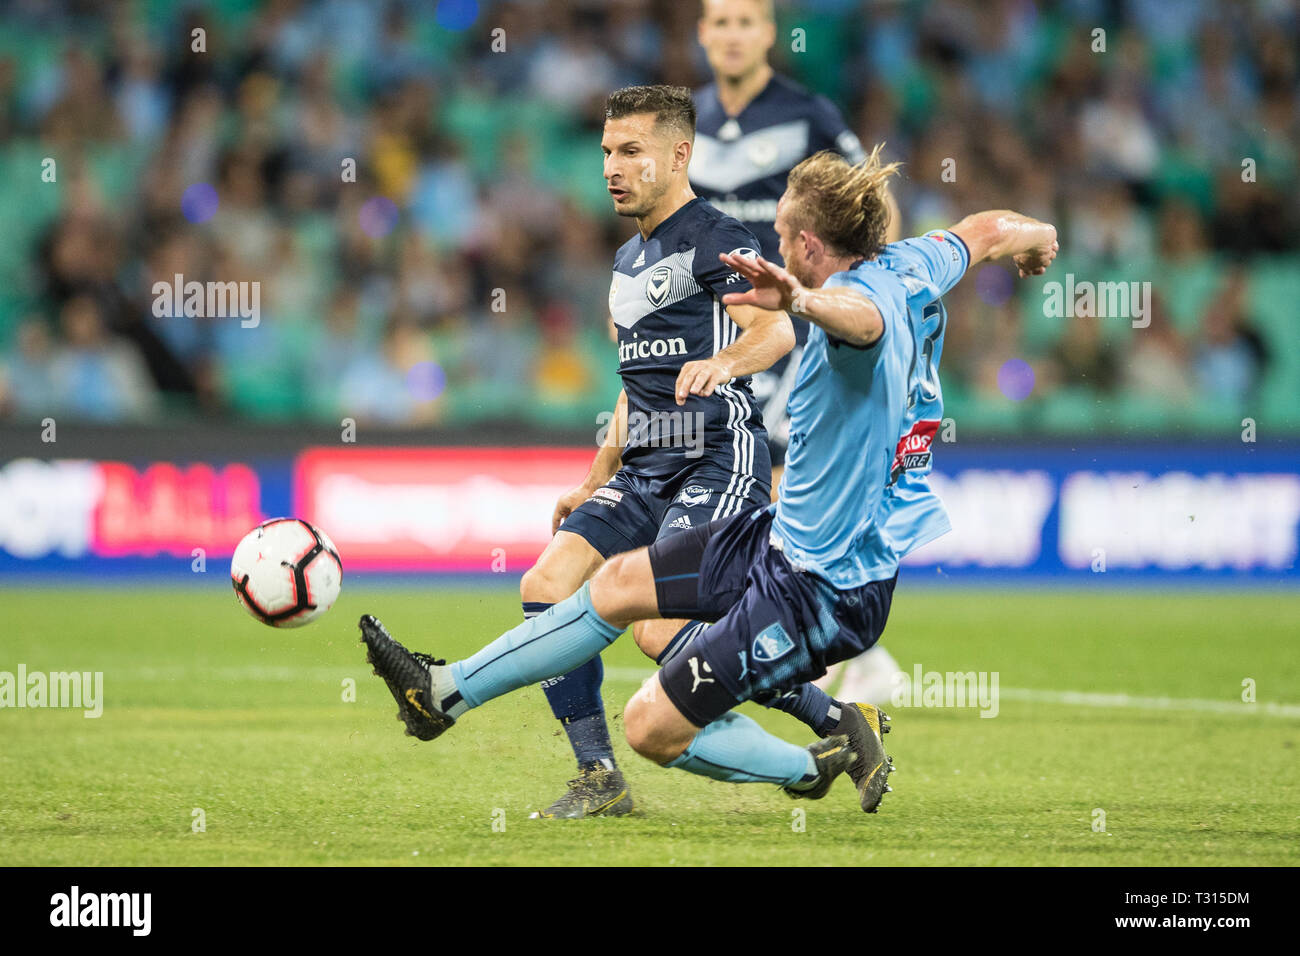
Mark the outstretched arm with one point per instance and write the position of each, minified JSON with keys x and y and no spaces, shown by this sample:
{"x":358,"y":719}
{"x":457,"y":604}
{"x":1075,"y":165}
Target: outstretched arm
{"x":995,"y":233}
{"x":851,"y":317}
{"x":848,"y":315}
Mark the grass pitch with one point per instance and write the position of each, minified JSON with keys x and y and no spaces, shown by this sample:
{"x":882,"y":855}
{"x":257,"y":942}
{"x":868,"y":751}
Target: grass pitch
{"x":212,"y":718}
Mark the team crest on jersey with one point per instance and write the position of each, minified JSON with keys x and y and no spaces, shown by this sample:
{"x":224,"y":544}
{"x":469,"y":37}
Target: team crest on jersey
{"x":772,"y":642}
{"x":694,"y":495}
{"x":762,"y":153}
{"x":745,"y":253}
{"x":913,"y":449}
{"x":659,"y":285}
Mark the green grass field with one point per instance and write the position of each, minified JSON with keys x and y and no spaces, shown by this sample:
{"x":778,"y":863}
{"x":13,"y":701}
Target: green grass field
{"x":206,"y":709}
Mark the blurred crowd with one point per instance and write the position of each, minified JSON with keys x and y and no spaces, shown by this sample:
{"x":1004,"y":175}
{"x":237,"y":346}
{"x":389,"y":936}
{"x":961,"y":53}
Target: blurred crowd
{"x":417,"y":188}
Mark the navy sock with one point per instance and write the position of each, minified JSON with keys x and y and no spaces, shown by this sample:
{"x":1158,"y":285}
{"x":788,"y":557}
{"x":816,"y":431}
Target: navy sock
{"x":576,"y":703}
{"x":816,"y":708}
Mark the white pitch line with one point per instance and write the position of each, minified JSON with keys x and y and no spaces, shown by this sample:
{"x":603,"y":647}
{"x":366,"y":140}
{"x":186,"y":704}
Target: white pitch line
{"x":1078,"y":698}
{"x":251,"y":672}
{"x":1071,"y":698}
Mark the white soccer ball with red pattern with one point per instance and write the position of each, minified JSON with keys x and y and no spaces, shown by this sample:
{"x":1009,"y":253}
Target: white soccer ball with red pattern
{"x":286,"y":572}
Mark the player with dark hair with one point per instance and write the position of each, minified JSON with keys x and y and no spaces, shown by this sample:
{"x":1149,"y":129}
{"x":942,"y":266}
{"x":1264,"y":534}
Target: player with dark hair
{"x":686,"y":444}
{"x":804,"y":583}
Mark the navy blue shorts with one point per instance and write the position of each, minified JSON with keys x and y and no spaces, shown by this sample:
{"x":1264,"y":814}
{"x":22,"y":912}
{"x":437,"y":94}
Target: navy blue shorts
{"x":775,"y":627}
{"x":633,"y":511}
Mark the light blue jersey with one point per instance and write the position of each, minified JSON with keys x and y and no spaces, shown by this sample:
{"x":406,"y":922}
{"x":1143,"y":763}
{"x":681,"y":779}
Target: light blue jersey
{"x":854,"y":498}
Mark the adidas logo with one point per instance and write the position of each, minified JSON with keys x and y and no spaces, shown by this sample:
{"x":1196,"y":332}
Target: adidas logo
{"x":681,"y":521}
{"x":640,"y":260}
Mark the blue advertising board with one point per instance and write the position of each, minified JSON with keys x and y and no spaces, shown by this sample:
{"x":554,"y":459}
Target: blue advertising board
{"x":1139,"y":512}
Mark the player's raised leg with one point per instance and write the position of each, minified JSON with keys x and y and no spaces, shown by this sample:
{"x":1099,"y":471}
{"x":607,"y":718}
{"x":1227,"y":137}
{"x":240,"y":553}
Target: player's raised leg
{"x":431,"y":694}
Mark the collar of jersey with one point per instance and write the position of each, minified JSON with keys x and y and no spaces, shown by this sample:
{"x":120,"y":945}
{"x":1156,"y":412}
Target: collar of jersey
{"x":767,"y":88}
{"x":681,"y":210}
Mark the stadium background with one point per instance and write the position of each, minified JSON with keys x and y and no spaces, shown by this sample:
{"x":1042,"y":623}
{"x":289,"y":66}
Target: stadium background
{"x":454,"y":294}
{"x":1139,"y":726}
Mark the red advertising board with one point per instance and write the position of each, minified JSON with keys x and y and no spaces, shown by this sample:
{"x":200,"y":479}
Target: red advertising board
{"x":436,"y":509}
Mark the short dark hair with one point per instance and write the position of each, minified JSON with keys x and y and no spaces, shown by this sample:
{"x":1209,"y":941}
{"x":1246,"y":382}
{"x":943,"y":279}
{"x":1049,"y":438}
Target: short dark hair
{"x":673,"y":105}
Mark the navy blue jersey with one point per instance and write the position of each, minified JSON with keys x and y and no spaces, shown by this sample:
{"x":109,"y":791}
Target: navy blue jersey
{"x":666,"y":301}
{"x":740,"y":163}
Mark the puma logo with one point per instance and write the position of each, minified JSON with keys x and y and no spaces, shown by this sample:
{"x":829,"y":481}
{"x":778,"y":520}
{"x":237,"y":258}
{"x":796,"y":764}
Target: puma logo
{"x":696,"y":665}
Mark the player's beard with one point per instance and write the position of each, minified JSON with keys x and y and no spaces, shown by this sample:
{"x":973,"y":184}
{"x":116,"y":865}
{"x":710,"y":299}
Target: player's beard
{"x":799,"y":269}
{"x":645,"y":203}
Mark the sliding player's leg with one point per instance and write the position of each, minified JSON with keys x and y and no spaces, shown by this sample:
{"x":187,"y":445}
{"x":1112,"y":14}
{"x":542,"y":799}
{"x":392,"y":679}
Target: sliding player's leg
{"x":708,"y":492}
{"x":730,"y":747}
{"x":702,"y":573}
{"x":783,"y":629}
{"x":697,"y":574}
{"x":664,"y":640}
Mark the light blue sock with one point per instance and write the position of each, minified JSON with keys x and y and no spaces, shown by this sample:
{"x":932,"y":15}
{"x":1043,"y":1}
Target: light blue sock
{"x":736,"y":749}
{"x":554,"y":643}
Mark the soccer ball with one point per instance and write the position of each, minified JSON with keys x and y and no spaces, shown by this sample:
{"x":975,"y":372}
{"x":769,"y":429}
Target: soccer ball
{"x":286,"y":573}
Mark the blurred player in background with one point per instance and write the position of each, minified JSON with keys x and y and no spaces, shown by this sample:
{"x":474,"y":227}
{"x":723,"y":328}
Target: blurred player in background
{"x":753,"y":127}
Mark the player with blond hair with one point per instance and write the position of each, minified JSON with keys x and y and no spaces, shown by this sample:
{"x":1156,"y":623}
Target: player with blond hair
{"x":754,"y":126}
